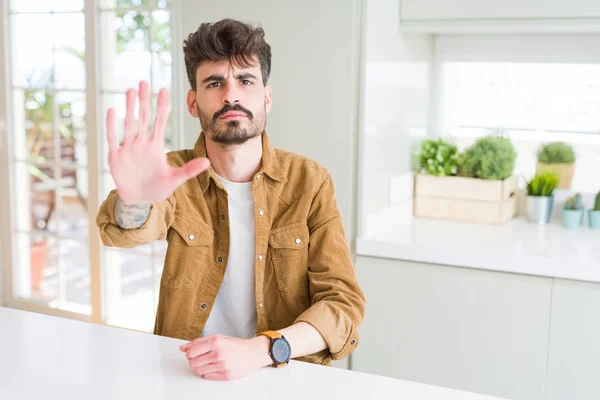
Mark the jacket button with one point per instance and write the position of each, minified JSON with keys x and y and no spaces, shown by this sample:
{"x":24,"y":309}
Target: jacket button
{"x":260,"y":305}
{"x":191,"y":237}
{"x":261,"y":212}
{"x":220,"y":259}
{"x":257,"y":176}
{"x":353,"y":341}
{"x":203,"y":305}
{"x":223,"y":216}
{"x":298,"y":240}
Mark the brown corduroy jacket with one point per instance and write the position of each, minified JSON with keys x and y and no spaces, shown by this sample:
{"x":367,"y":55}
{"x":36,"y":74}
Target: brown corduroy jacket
{"x":303,"y":269}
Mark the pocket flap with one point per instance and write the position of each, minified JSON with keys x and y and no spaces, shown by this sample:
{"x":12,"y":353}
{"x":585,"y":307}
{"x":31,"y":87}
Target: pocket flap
{"x":294,"y":236}
{"x":194,"y":232}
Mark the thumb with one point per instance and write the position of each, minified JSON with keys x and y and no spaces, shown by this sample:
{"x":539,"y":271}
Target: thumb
{"x":191,"y":169}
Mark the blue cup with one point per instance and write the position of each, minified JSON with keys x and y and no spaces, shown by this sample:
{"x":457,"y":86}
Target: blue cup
{"x":572,"y":218}
{"x":594,"y":219}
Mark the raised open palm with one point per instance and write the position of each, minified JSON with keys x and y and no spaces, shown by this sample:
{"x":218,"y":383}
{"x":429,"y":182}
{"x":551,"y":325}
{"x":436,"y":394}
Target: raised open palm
{"x":139,"y":166}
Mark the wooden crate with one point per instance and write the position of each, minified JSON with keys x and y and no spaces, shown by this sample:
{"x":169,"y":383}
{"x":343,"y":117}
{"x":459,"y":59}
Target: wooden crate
{"x":465,"y":199}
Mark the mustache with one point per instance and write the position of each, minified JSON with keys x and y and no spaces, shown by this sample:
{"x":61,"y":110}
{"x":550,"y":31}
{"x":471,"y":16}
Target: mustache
{"x":234,"y":107}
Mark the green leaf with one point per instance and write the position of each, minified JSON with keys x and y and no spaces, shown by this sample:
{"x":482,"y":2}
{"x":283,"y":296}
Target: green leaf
{"x":490,"y":157}
{"x":556,"y":153}
{"x":542,"y":184}
{"x":438,"y":157}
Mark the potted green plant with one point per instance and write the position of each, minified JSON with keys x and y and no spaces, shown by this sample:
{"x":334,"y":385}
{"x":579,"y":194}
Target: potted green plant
{"x":560,"y":158}
{"x":438,"y":157}
{"x":490,"y":157}
{"x":572,"y":213}
{"x":540,"y":199}
{"x":476,"y":186}
{"x":594,"y":214}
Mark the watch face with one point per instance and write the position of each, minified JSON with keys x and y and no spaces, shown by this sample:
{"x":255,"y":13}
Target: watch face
{"x":281,"y":350}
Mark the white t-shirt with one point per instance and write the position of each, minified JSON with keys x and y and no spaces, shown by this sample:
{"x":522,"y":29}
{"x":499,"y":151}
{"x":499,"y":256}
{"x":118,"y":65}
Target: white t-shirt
{"x":234,"y":311}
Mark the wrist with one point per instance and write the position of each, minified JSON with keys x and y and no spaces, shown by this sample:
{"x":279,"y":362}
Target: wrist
{"x":260,"y":345}
{"x":129,"y":202}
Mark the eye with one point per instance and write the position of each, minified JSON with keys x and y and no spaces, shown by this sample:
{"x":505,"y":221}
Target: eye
{"x":246,"y":82}
{"x":214,"y":84}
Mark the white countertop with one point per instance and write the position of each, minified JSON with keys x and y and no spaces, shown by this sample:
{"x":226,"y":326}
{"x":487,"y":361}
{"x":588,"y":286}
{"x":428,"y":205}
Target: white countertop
{"x":517,"y":246}
{"x":44,"y":357}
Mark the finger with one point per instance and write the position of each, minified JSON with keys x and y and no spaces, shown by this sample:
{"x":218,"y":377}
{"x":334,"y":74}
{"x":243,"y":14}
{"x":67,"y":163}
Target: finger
{"x":162,"y":115}
{"x":111,"y":131}
{"x":129,"y":116}
{"x":209,"y":358}
{"x":144,"y":95}
{"x":198,"y":349}
{"x":210,"y":368}
{"x":185,"y":346}
{"x":217,"y":376}
{"x":189,"y":170}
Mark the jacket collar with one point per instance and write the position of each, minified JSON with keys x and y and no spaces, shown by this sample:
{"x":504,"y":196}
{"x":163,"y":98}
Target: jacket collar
{"x":269,"y":164}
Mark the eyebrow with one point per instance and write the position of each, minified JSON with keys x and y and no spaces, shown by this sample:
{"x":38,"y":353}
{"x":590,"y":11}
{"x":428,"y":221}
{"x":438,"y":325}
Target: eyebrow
{"x":245,"y":75}
{"x":218,"y":77}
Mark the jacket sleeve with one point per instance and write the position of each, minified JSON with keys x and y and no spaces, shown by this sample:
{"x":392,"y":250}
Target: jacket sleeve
{"x":338,"y":302}
{"x":155,"y":228}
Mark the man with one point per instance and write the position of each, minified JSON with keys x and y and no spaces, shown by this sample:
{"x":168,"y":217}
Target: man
{"x":257,"y":269}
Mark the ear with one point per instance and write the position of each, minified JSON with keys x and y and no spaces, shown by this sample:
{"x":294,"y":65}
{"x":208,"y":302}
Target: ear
{"x":268,"y":97}
{"x":191,"y":103}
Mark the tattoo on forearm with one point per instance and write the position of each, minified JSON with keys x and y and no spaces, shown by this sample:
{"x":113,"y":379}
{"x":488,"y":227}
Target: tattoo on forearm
{"x":131,"y":216}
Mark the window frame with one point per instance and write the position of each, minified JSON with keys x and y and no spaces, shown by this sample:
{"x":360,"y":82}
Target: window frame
{"x":511,"y":48}
{"x":95,"y":131}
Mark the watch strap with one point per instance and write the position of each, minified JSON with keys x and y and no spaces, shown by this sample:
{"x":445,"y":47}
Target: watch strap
{"x":273,"y":335}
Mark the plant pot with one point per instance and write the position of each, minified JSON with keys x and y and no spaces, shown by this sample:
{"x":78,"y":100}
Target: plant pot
{"x":572,"y":218}
{"x":564,"y":172}
{"x":465,"y":199}
{"x":539,"y":209}
{"x":37,"y":254}
{"x":594,"y":219}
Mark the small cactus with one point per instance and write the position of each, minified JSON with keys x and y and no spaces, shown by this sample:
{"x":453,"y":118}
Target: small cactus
{"x":573,"y":203}
{"x":569,"y":203}
{"x":578,"y":204}
{"x":597,"y":202}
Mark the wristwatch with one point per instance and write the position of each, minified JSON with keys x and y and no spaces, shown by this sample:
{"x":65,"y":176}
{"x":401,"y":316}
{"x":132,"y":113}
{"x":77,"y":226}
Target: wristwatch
{"x":279,"y":348}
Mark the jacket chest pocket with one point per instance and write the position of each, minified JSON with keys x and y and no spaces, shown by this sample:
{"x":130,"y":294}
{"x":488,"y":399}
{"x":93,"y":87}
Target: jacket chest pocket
{"x":188,"y":254}
{"x":288,"y":255}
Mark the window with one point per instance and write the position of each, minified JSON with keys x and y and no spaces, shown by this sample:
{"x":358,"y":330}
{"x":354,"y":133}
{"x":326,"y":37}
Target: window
{"x":48,"y":96}
{"x":51,"y":143}
{"x":484,"y":87}
{"x":138,"y":34}
{"x":553,"y":98}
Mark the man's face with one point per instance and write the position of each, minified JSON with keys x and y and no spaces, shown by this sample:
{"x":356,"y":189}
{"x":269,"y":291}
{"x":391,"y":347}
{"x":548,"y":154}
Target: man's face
{"x":231,"y":102}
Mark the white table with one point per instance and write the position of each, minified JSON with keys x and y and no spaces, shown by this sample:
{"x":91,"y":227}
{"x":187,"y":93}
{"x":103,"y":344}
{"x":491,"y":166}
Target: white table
{"x":45,"y":357}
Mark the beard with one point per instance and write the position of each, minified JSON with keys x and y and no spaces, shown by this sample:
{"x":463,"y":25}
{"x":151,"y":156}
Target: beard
{"x":235,"y":132}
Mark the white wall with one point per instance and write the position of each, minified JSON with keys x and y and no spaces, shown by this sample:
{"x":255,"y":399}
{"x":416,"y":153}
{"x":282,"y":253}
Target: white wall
{"x":315,"y":59}
{"x":397,"y":84}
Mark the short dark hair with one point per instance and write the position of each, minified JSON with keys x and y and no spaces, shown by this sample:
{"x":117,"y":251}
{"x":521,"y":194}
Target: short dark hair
{"x":227,"y":39}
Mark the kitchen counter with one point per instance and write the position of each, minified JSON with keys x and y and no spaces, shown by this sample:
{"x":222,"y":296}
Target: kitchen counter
{"x":45,"y":357}
{"x":517,"y":246}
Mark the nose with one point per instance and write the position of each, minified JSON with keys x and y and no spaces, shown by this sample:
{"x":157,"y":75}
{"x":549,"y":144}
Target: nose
{"x":231,"y":94}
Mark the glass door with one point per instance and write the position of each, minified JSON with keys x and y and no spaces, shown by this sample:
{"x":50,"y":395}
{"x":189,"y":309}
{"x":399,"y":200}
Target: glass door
{"x":68,"y":62}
